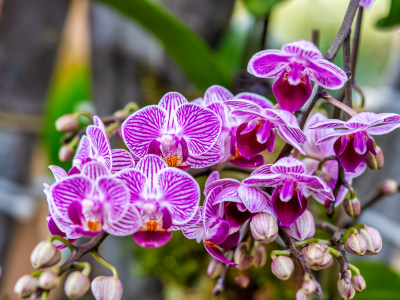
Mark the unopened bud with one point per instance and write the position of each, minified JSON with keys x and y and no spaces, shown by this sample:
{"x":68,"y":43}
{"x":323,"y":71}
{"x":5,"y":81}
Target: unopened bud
{"x":389,"y":187}
{"x":325,"y":176}
{"x":352,"y":207}
{"x":375,"y":162}
{"x":309,"y":286}
{"x":49,"y":280}
{"x":345,"y":289}
{"x":107,"y":288}
{"x":65,"y":153}
{"x":356,"y":244}
{"x":260,"y":256}
{"x":373,"y":240}
{"x":303,"y":228}
{"x":76,"y":285}
{"x":215,"y":268}
{"x":243,"y":281}
{"x":45,"y":255}
{"x":317,"y":256}
{"x":358,"y":283}
{"x":67,"y":123}
{"x":242,"y":258}
{"x":26,"y":286}
{"x":264,"y":228}
{"x":302,"y":295}
{"x":313,"y":254}
{"x":282,"y":267}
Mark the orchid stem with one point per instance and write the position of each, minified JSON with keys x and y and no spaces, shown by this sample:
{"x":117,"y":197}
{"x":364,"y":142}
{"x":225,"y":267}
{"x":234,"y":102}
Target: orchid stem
{"x":328,"y":97}
{"x":276,"y":253}
{"x":312,"y":240}
{"x":105,"y":263}
{"x":45,"y":294}
{"x":354,"y":269}
{"x":83,"y":265}
{"x":62,"y":240}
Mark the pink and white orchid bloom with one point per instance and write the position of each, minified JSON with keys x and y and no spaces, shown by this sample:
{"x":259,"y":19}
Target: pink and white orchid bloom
{"x":294,"y":66}
{"x":174,"y":130}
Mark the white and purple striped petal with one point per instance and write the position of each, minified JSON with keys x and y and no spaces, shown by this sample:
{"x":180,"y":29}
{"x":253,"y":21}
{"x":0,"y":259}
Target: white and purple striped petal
{"x":121,"y":160}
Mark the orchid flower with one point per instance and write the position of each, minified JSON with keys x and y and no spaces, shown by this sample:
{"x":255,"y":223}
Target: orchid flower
{"x":257,"y":131}
{"x":320,"y":151}
{"x":174,"y":130}
{"x":164,"y":197}
{"x":352,"y":139}
{"x":228,"y":205}
{"x":288,"y":176}
{"x":92,"y":202}
{"x":294,"y":66}
{"x":95,"y":146}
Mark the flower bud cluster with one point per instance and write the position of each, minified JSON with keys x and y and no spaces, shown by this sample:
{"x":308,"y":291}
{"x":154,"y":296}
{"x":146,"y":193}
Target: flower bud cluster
{"x":317,"y":256}
{"x":366,"y":241}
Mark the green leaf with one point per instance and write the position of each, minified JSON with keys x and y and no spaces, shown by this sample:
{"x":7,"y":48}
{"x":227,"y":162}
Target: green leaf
{"x":194,"y":57}
{"x":260,"y":8}
{"x":393,"y":17}
{"x":382,"y":282}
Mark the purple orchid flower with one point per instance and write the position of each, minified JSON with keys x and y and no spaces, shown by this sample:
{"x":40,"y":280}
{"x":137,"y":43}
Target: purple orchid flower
{"x":366,"y":3}
{"x":257,"y":131}
{"x":164,"y":197}
{"x":352,"y":139}
{"x":321,"y":151}
{"x":228,"y":205}
{"x":217,"y":99}
{"x":174,"y":129}
{"x":193,"y":229}
{"x":95,"y":146}
{"x":91,"y":203}
{"x":288,"y":176}
{"x":294,"y":66}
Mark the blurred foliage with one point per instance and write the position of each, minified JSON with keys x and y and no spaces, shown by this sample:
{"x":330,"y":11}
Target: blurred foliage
{"x":383,"y":282}
{"x":194,"y":57}
{"x":261,"y":8}
{"x":393,"y":17}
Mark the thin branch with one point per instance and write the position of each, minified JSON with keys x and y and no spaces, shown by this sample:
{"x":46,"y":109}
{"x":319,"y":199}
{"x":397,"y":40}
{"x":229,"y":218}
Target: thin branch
{"x":328,"y":97}
{"x":344,"y":30}
{"x":356,"y":41}
{"x":348,"y":98}
{"x":264,"y":36}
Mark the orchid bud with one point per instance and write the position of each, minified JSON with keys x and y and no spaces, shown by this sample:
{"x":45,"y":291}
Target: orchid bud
{"x":380,"y":159}
{"x":358,"y":283}
{"x":26,"y":286}
{"x":76,"y":285}
{"x":302,"y":295}
{"x":356,"y":244}
{"x":352,"y":207}
{"x":243,"y":281}
{"x":45,"y":255}
{"x":49,"y":280}
{"x":373,"y":240}
{"x":371,"y":161}
{"x":242,"y":258}
{"x":345,"y":289}
{"x":326,"y":262}
{"x":389,"y":187}
{"x":67,"y":123}
{"x":313,"y":254}
{"x":264,"y":228}
{"x":215,"y":268}
{"x":282,"y":267}
{"x":65,"y":153}
{"x":303,"y":228}
{"x":107,"y":288}
{"x":309,"y":286}
{"x":260,"y":256}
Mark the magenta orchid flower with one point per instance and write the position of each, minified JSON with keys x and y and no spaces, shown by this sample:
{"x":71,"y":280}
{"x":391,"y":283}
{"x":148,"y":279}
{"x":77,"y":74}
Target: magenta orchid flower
{"x":294,"y":66}
{"x":228,"y":205}
{"x":95,"y":146}
{"x":321,"y":151}
{"x":164,"y":197}
{"x":352,"y":139}
{"x":174,"y":130}
{"x":288,"y":176}
{"x":92,"y":202}
{"x":257,"y":131}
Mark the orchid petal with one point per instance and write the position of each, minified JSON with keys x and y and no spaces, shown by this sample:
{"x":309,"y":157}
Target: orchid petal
{"x":254,"y":199}
{"x":217,"y":93}
{"x":326,"y":74}
{"x":199,"y":126}
{"x":170,"y":102}
{"x":101,"y":145}
{"x":127,"y":225}
{"x":121,"y":159}
{"x":94,"y":170}
{"x":135,"y":181}
{"x":217,"y":252}
{"x":181,"y":194}
{"x":150,"y":165}
{"x":152,"y":239}
{"x":302,"y":48}
{"x":209,"y":158}
{"x":221,"y":184}
{"x":142,"y":127}
{"x":268,"y":63}
{"x":263,"y":180}
{"x":83,"y":151}
{"x":58,"y":173}
{"x":257,"y":99}
{"x":288,"y":165}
